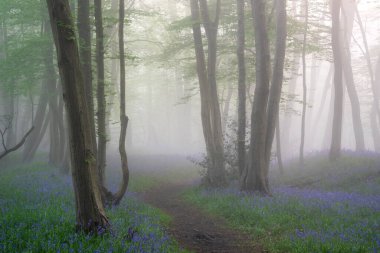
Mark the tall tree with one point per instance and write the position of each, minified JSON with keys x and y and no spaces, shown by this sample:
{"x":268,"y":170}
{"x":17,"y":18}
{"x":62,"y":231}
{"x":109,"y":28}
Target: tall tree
{"x":242,"y":96}
{"x":101,"y":97}
{"x":336,"y":139}
{"x":349,"y":15}
{"x":266,"y":99}
{"x":277,"y":81}
{"x":123,"y":117}
{"x":375,"y":119}
{"x":304,"y":83}
{"x":90,"y":214}
{"x":210,"y":110}
{"x":84,"y":33}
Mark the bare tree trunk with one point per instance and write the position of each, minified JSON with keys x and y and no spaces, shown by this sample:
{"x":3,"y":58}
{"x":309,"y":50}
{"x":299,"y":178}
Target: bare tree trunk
{"x":84,"y":32}
{"x":253,"y":178}
{"x":101,"y":98}
{"x":348,"y":21}
{"x":278,"y":148}
{"x":226,"y":107}
{"x":32,"y":143}
{"x":90,"y":214}
{"x":277,"y":77}
{"x":11,"y":136}
{"x":242,"y":96}
{"x":335,"y":149}
{"x":304,"y":84}
{"x":210,"y":111}
{"x":123,"y":117}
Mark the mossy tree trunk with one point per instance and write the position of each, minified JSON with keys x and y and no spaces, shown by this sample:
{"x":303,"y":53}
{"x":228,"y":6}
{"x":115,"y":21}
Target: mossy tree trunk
{"x":90,"y":214}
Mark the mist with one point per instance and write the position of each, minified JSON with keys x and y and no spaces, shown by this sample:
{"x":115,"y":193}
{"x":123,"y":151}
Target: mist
{"x":190,"y":126}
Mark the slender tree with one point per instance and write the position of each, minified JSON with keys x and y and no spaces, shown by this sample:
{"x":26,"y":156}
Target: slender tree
{"x":335,"y":149}
{"x":277,"y":81}
{"x":123,"y":117}
{"x":90,"y":214}
{"x":345,"y":40}
{"x":101,"y":98}
{"x":242,"y":97}
{"x":304,"y":82}
{"x":210,"y":110}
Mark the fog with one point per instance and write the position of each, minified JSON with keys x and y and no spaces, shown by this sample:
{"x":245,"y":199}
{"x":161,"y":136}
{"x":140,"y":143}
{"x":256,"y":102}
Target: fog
{"x":251,"y":126}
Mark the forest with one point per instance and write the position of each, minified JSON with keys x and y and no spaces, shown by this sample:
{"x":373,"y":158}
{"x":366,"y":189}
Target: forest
{"x":237,"y":126}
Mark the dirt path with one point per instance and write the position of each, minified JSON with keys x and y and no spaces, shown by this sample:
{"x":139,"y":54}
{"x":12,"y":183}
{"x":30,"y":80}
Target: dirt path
{"x":196,"y":230}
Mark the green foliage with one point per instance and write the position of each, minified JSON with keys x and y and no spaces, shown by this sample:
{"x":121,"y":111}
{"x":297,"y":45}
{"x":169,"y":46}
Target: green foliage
{"x":23,"y":45}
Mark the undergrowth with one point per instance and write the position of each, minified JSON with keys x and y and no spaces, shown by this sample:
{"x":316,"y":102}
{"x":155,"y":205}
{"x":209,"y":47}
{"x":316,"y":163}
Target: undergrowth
{"x":323,"y":207}
{"x":38,"y":215}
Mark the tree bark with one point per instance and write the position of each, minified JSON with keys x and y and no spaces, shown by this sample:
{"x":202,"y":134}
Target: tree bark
{"x":101,"y":99}
{"x":210,"y":110}
{"x":335,"y":148}
{"x":254,"y":175}
{"x":242,"y":96}
{"x":123,"y":117}
{"x":84,"y":33}
{"x":90,"y":214}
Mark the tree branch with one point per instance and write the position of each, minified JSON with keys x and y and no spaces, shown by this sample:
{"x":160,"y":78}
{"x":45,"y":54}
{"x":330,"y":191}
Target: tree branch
{"x":17,"y":146}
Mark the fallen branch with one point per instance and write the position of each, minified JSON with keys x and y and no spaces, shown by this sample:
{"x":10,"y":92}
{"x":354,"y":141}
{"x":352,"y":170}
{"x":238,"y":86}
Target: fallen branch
{"x":17,"y":146}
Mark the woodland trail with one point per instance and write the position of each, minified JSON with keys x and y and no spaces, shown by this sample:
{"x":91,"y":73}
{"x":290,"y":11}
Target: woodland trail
{"x":194,"y":229}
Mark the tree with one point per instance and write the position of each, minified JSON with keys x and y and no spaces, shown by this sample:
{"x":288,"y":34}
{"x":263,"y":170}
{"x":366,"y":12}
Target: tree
{"x":241,"y":86}
{"x":123,"y":117}
{"x":335,"y":148}
{"x":267,"y":98}
{"x":90,"y":213}
{"x":101,"y":98}
{"x":3,"y":132}
{"x":210,"y":110}
{"x":345,"y":40}
{"x":84,"y":33}
{"x":304,"y":83}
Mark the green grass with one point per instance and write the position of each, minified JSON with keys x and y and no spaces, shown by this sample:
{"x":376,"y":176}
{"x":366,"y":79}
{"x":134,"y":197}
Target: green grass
{"x":37,"y":215}
{"x":329,"y":215}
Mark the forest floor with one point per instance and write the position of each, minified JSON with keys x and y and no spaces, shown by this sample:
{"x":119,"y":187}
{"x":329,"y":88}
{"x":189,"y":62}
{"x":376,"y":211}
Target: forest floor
{"x":195,"y":229}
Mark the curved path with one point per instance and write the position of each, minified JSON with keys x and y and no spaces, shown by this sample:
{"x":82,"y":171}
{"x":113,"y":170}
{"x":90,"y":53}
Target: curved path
{"x":194,"y":229}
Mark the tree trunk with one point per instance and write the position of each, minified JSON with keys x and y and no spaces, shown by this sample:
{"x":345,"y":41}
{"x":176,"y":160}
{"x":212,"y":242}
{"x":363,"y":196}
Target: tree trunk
{"x":84,"y":33}
{"x":277,"y":78}
{"x":278,"y":148}
{"x":335,"y":148}
{"x":304,"y":84}
{"x":254,"y":176}
{"x":123,"y":117}
{"x":90,"y":214}
{"x":101,"y":98}
{"x":242,"y":96}
{"x":348,"y":21}
{"x":210,"y":111}
{"x":40,"y":122}
{"x":226,"y":107}
{"x":374,"y":122}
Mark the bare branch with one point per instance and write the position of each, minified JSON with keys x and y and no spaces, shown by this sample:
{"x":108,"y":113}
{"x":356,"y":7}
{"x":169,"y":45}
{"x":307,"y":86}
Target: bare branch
{"x":17,"y":146}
